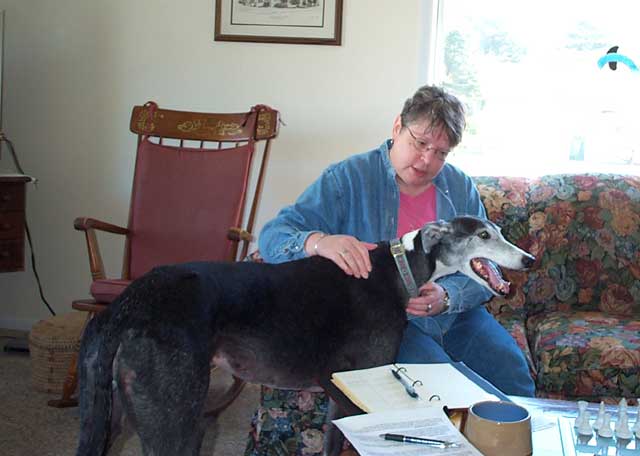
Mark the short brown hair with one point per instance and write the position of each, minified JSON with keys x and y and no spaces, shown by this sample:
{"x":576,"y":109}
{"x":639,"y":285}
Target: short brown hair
{"x":440,"y":108}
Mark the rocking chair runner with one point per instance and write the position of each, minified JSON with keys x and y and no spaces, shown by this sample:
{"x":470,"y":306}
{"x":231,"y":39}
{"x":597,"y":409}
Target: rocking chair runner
{"x":191,"y":187}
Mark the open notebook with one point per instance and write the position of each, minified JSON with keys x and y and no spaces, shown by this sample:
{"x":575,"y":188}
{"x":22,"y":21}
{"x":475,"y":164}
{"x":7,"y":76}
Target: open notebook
{"x":377,"y":389}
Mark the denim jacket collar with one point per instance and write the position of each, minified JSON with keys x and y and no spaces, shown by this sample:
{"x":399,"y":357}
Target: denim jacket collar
{"x":385,"y":147}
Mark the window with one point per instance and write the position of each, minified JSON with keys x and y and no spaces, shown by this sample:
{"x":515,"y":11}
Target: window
{"x":537,"y":100}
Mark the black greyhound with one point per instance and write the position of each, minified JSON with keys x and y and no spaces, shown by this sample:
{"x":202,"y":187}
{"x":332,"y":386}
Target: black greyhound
{"x":284,"y":325}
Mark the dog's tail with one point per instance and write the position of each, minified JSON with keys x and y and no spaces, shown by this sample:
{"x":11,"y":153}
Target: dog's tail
{"x":95,"y":361}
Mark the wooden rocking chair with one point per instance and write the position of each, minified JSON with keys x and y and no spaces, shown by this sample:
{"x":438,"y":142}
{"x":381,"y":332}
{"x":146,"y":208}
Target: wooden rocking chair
{"x":192,"y":185}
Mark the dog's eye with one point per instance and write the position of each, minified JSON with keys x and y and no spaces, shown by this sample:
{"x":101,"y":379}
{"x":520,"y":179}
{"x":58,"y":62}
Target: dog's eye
{"x":484,"y":235}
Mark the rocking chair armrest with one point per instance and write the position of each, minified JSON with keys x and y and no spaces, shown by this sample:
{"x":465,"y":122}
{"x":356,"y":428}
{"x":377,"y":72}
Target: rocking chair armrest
{"x":89,"y":226}
{"x":239,"y":234}
{"x":86,"y":223}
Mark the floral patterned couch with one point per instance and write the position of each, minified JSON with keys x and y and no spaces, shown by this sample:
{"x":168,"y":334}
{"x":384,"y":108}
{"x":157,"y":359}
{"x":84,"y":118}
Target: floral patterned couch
{"x":575,"y":314}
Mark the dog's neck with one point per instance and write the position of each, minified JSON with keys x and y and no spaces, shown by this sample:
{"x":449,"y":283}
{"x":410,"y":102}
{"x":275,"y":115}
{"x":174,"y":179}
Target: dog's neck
{"x":422,"y":266}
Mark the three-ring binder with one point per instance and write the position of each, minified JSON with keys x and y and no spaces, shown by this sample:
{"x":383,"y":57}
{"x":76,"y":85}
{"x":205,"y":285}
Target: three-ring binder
{"x":402,"y":375}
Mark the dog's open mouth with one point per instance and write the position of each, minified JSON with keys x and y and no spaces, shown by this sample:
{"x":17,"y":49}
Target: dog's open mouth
{"x":488,"y":271}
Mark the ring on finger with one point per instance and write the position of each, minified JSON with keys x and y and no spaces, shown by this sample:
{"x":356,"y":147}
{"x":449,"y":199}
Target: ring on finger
{"x":344,"y":252}
{"x":429,"y":307}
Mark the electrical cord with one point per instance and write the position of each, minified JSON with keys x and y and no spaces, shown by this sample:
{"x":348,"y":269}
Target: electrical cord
{"x":3,"y":138}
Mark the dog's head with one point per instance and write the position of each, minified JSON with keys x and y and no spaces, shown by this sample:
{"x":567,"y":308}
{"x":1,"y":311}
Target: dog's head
{"x":475,"y":247}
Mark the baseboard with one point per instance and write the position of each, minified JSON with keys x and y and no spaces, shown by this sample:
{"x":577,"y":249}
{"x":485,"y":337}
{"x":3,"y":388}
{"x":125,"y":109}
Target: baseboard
{"x":17,"y":323}
{"x":16,"y":345}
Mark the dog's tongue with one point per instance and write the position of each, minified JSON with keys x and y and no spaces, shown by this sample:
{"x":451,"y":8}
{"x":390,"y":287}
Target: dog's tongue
{"x":491,"y":274}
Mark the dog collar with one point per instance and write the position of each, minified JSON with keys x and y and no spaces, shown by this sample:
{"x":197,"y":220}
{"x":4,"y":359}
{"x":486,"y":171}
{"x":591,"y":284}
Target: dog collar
{"x":400,"y":257}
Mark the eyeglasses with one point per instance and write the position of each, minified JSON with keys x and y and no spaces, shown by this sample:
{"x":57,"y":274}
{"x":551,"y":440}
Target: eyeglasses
{"x":422,"y":147}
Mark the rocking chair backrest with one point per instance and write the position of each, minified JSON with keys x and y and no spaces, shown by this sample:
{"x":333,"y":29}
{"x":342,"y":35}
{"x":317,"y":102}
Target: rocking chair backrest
{"x":191,"y":184}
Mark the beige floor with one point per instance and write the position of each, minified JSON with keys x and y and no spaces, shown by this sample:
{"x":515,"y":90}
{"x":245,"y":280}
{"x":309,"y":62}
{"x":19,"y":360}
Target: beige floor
{"x":29,"y":427}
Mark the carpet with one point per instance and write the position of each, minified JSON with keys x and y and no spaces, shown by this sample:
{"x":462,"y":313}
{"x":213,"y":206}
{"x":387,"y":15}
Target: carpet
{"x":29,"y":427}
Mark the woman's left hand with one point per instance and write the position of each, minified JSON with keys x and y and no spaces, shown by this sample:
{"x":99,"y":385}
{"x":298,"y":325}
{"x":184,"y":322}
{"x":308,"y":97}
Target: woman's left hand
{"x":430,"y":301}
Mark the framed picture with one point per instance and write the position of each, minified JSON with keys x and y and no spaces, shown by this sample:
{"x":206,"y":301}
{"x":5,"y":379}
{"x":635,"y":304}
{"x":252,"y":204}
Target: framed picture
{"x":279,"y":21}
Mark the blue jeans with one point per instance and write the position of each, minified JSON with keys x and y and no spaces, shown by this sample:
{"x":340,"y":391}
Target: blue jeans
{"x":475,"y":338}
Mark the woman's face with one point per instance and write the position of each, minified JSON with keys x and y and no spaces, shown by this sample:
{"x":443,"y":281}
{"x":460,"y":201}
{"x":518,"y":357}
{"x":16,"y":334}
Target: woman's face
{"x":418,"y":154}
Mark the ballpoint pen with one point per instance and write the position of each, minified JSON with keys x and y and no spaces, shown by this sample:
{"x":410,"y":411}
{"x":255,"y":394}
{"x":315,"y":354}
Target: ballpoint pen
{"x":411,"y":391}
{"x":421,"y":440}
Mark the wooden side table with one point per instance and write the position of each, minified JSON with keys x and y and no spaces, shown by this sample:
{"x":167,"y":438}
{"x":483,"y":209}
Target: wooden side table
{"x":12,"y":221}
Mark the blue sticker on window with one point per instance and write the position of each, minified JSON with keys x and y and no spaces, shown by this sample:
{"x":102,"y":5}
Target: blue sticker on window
{"x":613,"y":58}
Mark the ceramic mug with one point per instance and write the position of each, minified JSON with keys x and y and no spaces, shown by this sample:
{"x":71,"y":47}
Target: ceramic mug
{"x":499,"y":428}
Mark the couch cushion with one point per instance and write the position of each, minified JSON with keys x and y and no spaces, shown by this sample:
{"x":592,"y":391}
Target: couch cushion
{"x":587,"y":229}
{"x":586,"y":355}
{"x":288,"y":423}
{"x":106,"y":290}
{"x":584,"y":231}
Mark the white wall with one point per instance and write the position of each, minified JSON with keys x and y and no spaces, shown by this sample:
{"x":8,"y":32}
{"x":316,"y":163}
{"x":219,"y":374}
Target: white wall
{"x":74,"y":68}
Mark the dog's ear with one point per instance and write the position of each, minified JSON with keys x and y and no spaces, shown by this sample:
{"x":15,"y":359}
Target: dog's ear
{"x":432,"y":233}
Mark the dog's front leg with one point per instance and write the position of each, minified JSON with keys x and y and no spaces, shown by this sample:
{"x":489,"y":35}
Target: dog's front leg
{"x":333,"y":438}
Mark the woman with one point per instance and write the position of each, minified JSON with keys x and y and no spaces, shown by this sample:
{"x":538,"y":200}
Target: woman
{"x":385,"y":193}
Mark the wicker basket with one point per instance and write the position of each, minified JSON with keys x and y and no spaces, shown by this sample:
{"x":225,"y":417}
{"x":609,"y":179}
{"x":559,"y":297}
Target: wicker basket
{"x":53,"y":343}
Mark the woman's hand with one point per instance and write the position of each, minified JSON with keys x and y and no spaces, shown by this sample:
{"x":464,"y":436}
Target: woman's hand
{"x":430,"y":302}
{"x":350,"y":254}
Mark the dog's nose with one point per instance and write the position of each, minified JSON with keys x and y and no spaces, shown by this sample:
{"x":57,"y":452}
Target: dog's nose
{"x":528,"y":260}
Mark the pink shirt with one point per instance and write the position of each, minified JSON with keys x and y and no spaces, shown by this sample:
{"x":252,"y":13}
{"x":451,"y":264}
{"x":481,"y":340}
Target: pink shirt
{"x":415,"y":211}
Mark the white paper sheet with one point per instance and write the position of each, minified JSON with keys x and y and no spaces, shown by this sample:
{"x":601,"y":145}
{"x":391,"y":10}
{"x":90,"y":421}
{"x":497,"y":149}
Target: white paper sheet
{"x":363,"y":431}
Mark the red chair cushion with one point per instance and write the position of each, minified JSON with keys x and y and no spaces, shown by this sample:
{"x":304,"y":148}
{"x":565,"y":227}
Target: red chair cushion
{"x":106,"y":290}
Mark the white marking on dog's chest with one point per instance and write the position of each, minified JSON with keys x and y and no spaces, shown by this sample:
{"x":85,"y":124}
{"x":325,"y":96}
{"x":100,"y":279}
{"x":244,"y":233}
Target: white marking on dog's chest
{"x":408,"y":240}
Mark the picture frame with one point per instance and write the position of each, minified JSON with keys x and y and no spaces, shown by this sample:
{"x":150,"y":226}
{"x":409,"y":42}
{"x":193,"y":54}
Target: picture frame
{"x":279,"y":21}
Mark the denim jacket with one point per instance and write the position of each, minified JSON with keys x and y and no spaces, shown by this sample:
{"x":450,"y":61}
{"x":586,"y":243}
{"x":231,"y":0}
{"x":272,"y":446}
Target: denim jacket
{"x":360,"y":197}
